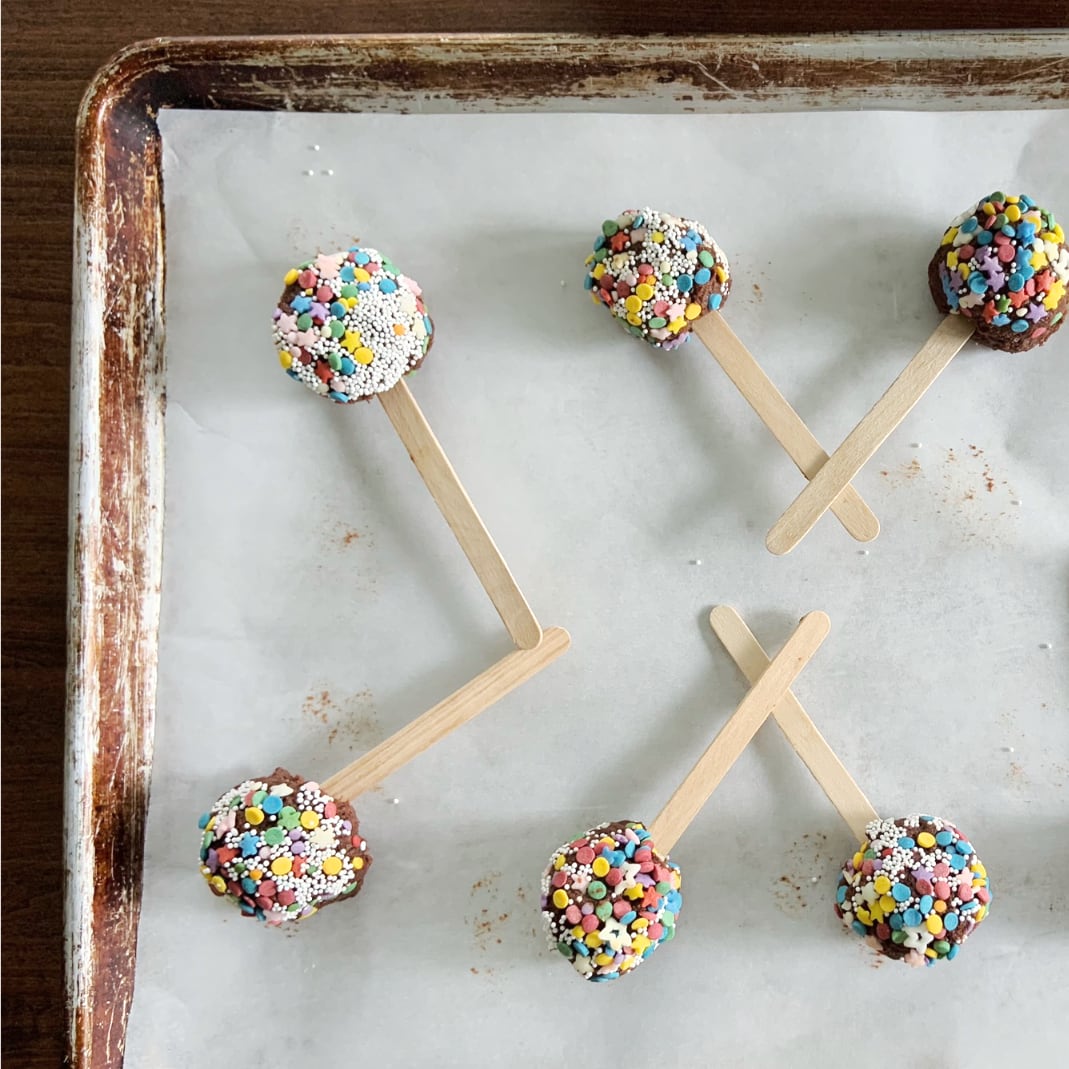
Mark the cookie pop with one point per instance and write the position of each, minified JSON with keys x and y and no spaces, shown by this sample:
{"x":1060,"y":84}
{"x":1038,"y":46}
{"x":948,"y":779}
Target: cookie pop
{"x":350,"y":326}
{"x":281,"y":846}
{"x":914,"y":889}
{"x":664,"y":278}
{"x":1001,"y":275}
{"x":611,"y":896}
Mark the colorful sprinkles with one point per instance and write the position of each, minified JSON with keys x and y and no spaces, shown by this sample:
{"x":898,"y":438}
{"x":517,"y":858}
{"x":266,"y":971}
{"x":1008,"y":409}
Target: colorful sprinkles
{"x":657,"y":274}
{"x":914,"y":890}
{"x":281,"y":848}
{"x":610,"y":900}
{"x":1005,"y":265}
{"x":350,"y":325}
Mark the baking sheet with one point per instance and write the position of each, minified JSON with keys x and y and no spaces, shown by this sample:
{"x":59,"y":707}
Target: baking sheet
{"x":314,"y":601}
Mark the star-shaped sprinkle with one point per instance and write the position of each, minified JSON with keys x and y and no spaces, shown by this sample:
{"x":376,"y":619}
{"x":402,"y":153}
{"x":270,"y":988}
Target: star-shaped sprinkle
{"x":351,"y":341}
{"x":328,"y":264}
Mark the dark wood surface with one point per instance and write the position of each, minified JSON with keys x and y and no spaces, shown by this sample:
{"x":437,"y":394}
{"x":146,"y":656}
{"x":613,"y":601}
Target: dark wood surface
{"x":50,"y":52}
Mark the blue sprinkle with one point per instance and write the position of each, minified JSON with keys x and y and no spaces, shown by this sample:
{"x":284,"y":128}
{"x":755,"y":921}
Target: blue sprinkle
{"x":900,"y":892}
{"x":203,"y":822}
{"x":1026,"y":201}
{"x":638,"y":220}
{"x":581,"y":948}
{"x":977,"y":282}
{"x":341,"y":398}
{"x":248,"y":885}
{"x":963,"y":846}
{"x":600,"y":243}
{"x":689,"y":244}
{"x":984,"y":237}
{"x":630,"y":848}
{"x":627,"y":918}
{"x":1019,"y":326}
{"x":950,"y":921}
{"x":361,"y":257}
{"x":840,"y":895}
{"x":702,"y":275}
{"x":1009,"y":230}
{"x":338,"y":310}
{"x":271,"y":804}
{"x":944,"y":838}
{"x":693,"y":234}
{"x":716,"y":301}
{"x":684,"y":282}
{"x":969,"y":225}
{"x":895,"y":921}
{"x":859,"y":928}
{"x":363,"y":285}
{"x":957,"y":862}
{"x":642,"y":834}
{"x":428,"y":324}
{"x":293,"y":374}
{"x":1026,"y":271}
{"x":912,"y":917}
{"x":906,"y":842}
{"x":347,"y":274}
{"x":927,"y":818}
{"x":250,"y":845}
{"x":952,"y":952}
{"x":301,"y":303}
{"x":259,"y":914}
{"x":246,"y":909}
{"x":1000,"y":320}
{"x":588,"y":282}
{"x":204,"y":853}
{"x":387,"y":285}
{"x":1015,"y":282}
{"x":1026,"y":232}
{"x":966,"y":906}
{"x":348,"y":366}
{"x":605,"y":977}
{"x":925,"y":904}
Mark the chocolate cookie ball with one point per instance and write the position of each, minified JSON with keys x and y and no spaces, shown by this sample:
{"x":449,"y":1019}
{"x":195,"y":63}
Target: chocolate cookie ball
{"x":657,"y":274}
{"x":281,"y":849}
{"x":610,"y":900}
{"x":1004,"y":264}
{"x":348,"y":325}
{"x":915,"y":889}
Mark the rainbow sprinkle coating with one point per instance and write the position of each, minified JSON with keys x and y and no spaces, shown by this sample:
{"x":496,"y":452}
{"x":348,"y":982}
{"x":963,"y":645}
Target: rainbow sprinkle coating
{"x":657,"y":273}
{"x":1005,"y":265}
{"x":914,"y":890}
{"x":610,"y":900}
{"x":280,"y":848}
{"x":350,"y":325}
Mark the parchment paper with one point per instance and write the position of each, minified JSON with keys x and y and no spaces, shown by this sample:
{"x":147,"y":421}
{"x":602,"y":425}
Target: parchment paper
{"x":314,"y":600}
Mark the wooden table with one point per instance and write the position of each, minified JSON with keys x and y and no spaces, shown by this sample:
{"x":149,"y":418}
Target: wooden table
{"x":49,"y":54}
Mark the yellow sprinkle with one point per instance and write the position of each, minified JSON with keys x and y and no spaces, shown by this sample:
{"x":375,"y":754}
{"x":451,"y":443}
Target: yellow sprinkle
{"x":693,"y":310}
{"x":952,"y":259}
{"x":1039,"y":260}
{"x":598,"y":271}
{"x":281,"y":865}
{"x":1051,"y":236}
{"x":934,"y":924}
{"x":981,"y":913}
{"x":309,"y":819}
{"x":633,"y":892}
{"x":603,"y":959}
{"x":351,"y":341}
{"x":286,"y":360}
{"x":634,"y":319}
{"x":577,"y":932}
{"x":218,"y":885}
{"x":633,"y":303}
{"x":965,"y":270}
{"x":1013,"y":213}
{"x":363,"y":355}
{"x":254,"y":814}
{"x":721,"y":274}
{"x":658,"y":237}
{"x":1054,"y":295}
{"x":350,"y":302}
{"x":361,"y":275}
{"x":594,"y":297}
{"x":858,"y":859}
{"x":592,"y":939}
{"x":929,"y":953}
{"x":639,"y":943}
{"x":926,"y":839}
{"x":877,"y":913}
{"x":560,"y":898}
{"x":887,"y":904}
{"x":601,"y":866}
{"x":332,"y":866}
{"x":1059,"y":233}
{"x":677,"y":325}
{"x":882,"y":884}
{"x":640,"y":924}
{"x":644,"y":291}
{"x":210,"y":824}
{"x":863,"y":915}
{"x":978,"y":867}
{"x":358,"y":863}
{"x":989,"y":208}
{"x":589,"y":259}
{"x":629,"y":963}
{"x":558,"y":862}
{"x":1013,"y":200}
{"x":949,"y":236}
{"x":291,"y":276}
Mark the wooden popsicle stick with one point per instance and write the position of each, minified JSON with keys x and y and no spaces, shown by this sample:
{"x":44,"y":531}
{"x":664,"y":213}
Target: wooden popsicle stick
{"x":775,"y":411}
{"x":460,"y":707}
{"x":860,"y":444}
{"x":736,"y":734}
{"x":821,"y":760}
{"x":470,"y":531}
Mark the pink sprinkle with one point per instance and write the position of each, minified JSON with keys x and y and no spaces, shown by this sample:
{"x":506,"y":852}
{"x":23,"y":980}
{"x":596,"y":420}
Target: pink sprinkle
{"x":621,"y":908}
{"x":646,"y":866}
{"x":941,"y":869}
{"x":867,"y":867}
{"x":966,"y":252}
{"x":924,"y":887}
{"x":1001,"y":239}
{"x":983,"y":894}
{"x":585,"y":856}
{"x":942,"y":890}
{"x":965,"y":890}
{"x":324,"y":294}
{"x":660,"y":307}
{"x":655,"y":931}
{"x":287,"y":898}
{"x":572,"y":914}
{"x":623,"y":289}
{"x":330,"y":810}
{"x":560,"y":878}
{"x":372,"y":268}
{"x":590,"y":923}
{"x":643,"y":854}
{"x":267,"y":888}
{"x":410,"y":284}
{"x":1006,"y":253}
{"x":645,"y":269}
{"x":613,"y":877}
{"x":607,"y":282}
